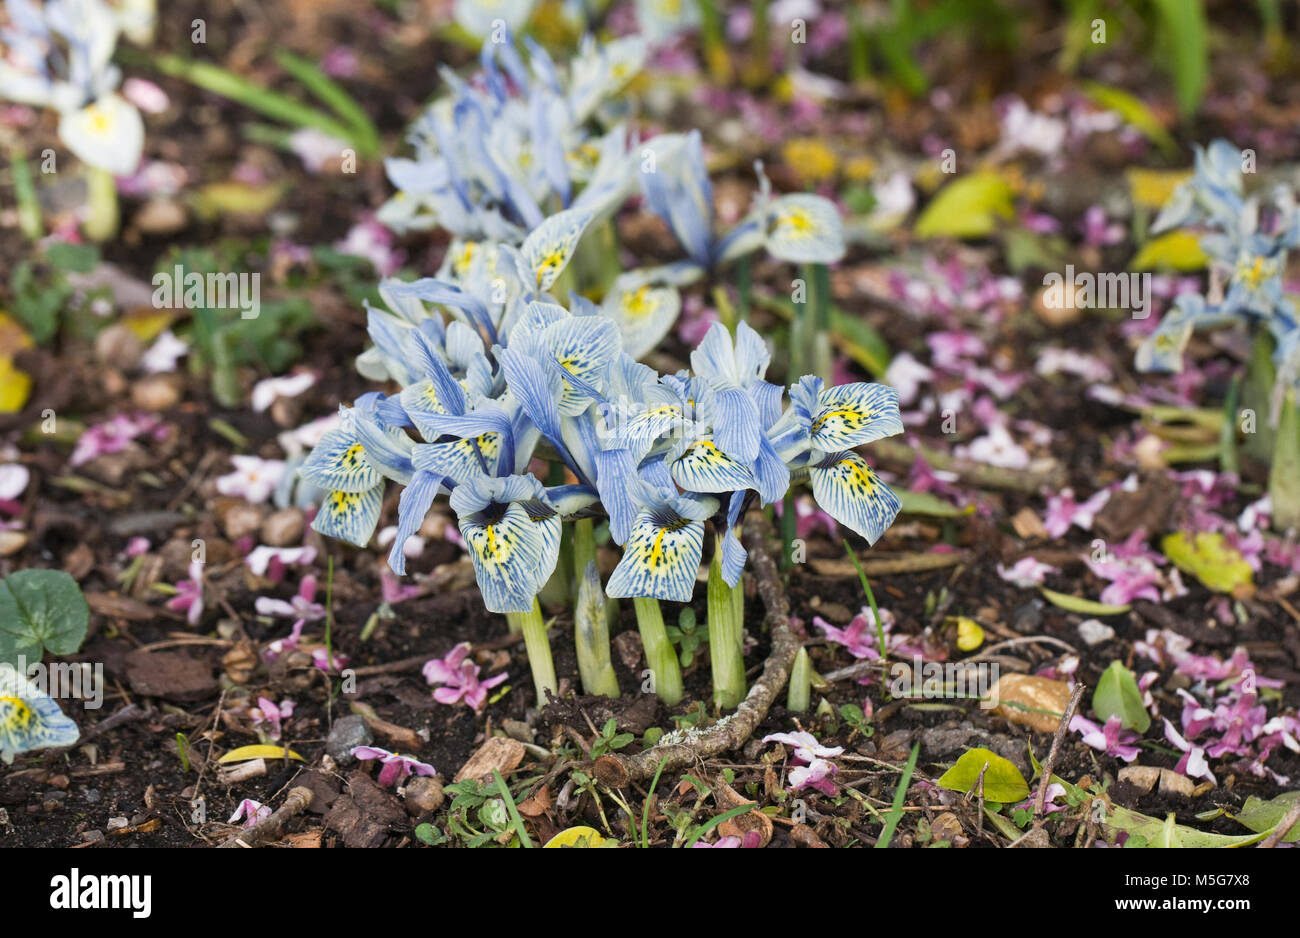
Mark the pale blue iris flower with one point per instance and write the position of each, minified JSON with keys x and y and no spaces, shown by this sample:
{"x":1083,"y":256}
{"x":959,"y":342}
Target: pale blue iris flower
{"x":58,"y":54}
{"x":1248,"y":241}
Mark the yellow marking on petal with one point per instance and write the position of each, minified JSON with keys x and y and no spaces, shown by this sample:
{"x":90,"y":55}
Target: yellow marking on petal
{"x":656,"y":549}
{"x":464,"y":258}
{"x":852,"y":419}
{"x":344,"y":503}
{"x":800,"y":222}
{"x":553,"y":261}
{"x":352,"y":456}
{"x":638,"y":303}
{"x":99,"y":120}
{"x":860,"y":476}
{"x":585,"y":156}
{"x":1256,"y":272}
{"x":14,"y":712}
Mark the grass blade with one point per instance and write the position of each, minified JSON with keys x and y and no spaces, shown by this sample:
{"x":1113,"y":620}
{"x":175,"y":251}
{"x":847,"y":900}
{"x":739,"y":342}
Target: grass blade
{"x":896,"y":809}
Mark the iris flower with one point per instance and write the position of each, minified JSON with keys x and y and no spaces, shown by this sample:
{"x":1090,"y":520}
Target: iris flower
{"x":29,"y":718}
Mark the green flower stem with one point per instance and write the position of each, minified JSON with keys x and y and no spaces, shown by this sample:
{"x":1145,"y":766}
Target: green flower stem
{"x":1256,"y":396}
{"x":744,"y":286}
{"x":1228,"y":462}
{"x":515,"y":621}
{"x":584,"y":550}
{"x":29,"y":206}
{"x":591,"y":636}
{"x":659,"y":651}
{"x":102,"y":198}
{"x":1284,"y":477}
{"x":818,"y":316}
{"x":726,"y":612}
{"x":539,"y":653}
{"x":800,"y":692}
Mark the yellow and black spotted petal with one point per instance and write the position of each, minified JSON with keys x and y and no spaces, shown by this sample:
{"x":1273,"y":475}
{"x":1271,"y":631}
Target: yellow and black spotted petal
{"x":644,"y":315}
{"x":853,"y":414}
{"x":849,"y":490}
{"x":661,"y":559}
{"x":1163,"y":349}
{"x":420,"y":401}
{"x":29,"y":719}
{"x":460,"y":460}
{"x":805,"y":229}
{"x":338,"y":463}
{"x":513,"y":555}
{"x":549,"y":247}
{"x":350,"y":516}
{"x":583,"y":347}
{"x":702,"y":467}
{"x":637,"y":431}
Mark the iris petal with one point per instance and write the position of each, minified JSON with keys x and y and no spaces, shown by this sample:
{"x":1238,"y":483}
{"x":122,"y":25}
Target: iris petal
{"x":350,"y":516}
{"x":851,"y":493}
{"x":660,"y":559}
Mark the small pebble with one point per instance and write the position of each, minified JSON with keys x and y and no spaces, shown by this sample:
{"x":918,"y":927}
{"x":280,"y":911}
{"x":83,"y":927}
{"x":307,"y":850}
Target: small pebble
{"x":155,"y":393}
{"x":423,"y":795}
{"x":345,"y":735}
{"x":241,"y":520}
{"x":283,"y":528}
{"x":1094,"y":632}
{"x":1028,"y":617}
{"x":118,"y":823}
{"x":119,"y":347}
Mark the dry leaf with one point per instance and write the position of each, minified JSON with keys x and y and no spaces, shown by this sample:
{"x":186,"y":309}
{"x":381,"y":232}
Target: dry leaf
{"x":1045,"y":699}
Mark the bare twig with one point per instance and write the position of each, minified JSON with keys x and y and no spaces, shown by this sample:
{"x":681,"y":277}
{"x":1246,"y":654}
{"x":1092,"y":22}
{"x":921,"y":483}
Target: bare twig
{"x":890,"y":565}
{"x":127,"y":714}
{"x":261,"y":832}
{"x":1023,"y":640}
{"x":978,"y":474}
{"x":1041,"y":801}
{"x":729,"y":733}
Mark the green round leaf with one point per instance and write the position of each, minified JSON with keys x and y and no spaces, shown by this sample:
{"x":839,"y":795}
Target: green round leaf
{"x":41,"y":611}
{"x":1002,"y":780}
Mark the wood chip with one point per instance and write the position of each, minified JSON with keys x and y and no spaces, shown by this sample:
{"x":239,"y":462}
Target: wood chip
{"x":499,"y":752}
{"x":1027,"y":524}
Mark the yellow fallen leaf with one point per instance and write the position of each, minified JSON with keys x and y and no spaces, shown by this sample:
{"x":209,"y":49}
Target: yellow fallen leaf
{"x":15,"y":387}
{"x":969,"y":634}
{"x":235,"y":198}
{"x":970,"y":206}
{"x":146,"y":323}
{"x":247,"y":753}
{"x":576,"y":837}
{"x":1153,"y":188}
{"x":1177,"y":250}
{"x":1209,"y":558}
